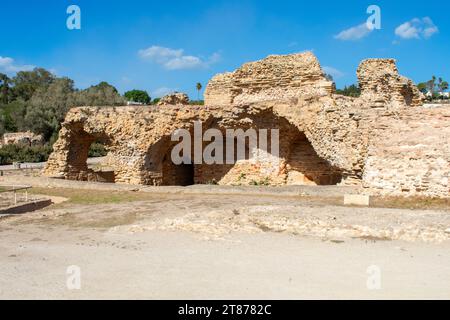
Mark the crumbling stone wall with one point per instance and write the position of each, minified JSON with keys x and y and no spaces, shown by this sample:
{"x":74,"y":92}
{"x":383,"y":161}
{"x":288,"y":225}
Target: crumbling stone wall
{"x":409,"y":153}
{"x":383,"y":140}
{"x":174,"y":99}
{"x":27,"y":138}
{"x":275,"y":77}
{"x":381,"y":85}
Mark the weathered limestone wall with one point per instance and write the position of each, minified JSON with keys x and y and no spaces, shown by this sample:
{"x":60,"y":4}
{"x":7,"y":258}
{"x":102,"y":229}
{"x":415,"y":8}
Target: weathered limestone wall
{"x":138,"y":140}
{"x":384,"y":140}
{"x":28,"y":138}
{"x":305,"y":167}
{"x":275,"y":77}
{"x":381,"y":85}
{"x":174,"y":99}
{"x":410,"y":153}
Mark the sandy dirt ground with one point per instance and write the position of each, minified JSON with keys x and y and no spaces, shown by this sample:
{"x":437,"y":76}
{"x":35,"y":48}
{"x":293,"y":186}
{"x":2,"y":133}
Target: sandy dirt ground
{"x":179,"y":246}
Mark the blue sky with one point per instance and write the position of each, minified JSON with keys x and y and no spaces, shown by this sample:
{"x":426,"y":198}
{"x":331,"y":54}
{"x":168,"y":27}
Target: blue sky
{"x":161,"y":46}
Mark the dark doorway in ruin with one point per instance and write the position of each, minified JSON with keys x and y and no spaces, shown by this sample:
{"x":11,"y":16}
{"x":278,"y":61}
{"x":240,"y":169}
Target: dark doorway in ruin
{"x":305,"y":167}
{"x":299,"y":163}
{"x":177,"y":175}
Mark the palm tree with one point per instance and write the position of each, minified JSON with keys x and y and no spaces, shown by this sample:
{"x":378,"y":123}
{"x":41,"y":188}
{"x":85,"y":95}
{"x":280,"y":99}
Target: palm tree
{"x":442,"y":85}
{"x":199,"y":87}
{"x":431,"y":85}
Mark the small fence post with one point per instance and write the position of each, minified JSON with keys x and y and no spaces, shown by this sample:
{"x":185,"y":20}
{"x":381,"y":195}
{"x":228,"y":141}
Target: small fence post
{"x":15,"y":197}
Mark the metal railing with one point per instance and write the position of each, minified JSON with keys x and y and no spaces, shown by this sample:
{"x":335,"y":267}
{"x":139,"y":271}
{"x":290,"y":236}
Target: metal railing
{"x":14,"y":189}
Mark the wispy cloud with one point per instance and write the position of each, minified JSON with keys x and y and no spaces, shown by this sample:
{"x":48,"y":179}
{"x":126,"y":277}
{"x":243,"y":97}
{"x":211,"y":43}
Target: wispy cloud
{"x":417,"y":28}
{"x":175,"y":59}
{"x":8,"y":65}
{"x":354,"y":33}
{"x":333,"y":72}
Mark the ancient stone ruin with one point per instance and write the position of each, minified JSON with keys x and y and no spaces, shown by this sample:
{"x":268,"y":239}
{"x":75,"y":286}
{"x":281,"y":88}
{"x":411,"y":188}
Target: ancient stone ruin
{"x":24,"y":138}
{"x":385,"y":140}
{"x":174,"y":99}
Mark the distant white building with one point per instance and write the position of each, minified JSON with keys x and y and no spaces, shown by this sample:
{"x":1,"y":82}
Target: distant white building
{"x":440,"y":94}
{"x":133,"y":103}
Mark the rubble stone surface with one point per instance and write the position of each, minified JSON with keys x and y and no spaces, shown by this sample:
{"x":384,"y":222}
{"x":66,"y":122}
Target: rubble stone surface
{"x":27,"y":138}
{"x":174,"y":99}
{"x":384,"y":140}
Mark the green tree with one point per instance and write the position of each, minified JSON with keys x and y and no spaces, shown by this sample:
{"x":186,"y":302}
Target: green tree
{"x":442,"y":85}
{"x":5,"y":81}
{"x":48,"y":107}
{"x":139,"y":96}
{"x":431,"y":85}
{"x":199,"y":88}
{"x":2,"y":127}
{"x":351,"y":91}
{"x":12,"y":116}
{"x":422,"y":87}
{"x":102,"y":94}
{"x":27,"y":82}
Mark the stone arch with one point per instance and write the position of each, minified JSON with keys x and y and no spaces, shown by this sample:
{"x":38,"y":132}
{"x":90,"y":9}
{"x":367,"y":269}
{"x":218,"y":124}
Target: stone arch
{"x":306,"y":167}
{"x":77,"y":142}
{"x":159,"y":169}
{"x":298,"y":162}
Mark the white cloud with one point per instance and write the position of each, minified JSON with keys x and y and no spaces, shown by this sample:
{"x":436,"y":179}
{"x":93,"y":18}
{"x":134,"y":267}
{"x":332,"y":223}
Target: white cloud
{"x":417,"y":29}
{"x":354,"y":33}
{"x":333,"y":72}
{"x":7,"y":65}
{"x":175,"y":59}
{"x":160,"y":92}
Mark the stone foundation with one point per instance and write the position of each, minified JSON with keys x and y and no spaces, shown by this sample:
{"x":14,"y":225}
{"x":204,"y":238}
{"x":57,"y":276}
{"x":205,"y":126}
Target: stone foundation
{"x":25,"y":138}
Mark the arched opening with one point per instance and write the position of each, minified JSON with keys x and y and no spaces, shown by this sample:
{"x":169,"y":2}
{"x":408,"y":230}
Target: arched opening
{"x":295,"y":162}
{"x":305,"y":167}
{"x":83,"y":144}
{"x":177,"y":175}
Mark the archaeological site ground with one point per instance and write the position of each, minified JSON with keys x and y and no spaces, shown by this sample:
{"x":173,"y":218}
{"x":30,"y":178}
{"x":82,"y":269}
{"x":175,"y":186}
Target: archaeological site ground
{"x":224,"y":150}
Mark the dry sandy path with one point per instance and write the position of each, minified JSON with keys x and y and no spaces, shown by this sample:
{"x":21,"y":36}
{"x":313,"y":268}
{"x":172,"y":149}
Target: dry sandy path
{"x":187,"y":247}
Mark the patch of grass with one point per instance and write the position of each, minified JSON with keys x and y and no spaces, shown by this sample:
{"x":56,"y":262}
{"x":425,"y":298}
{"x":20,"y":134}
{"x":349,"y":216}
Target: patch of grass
{"x":262,"y":182}
{"x":92,"y":197}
